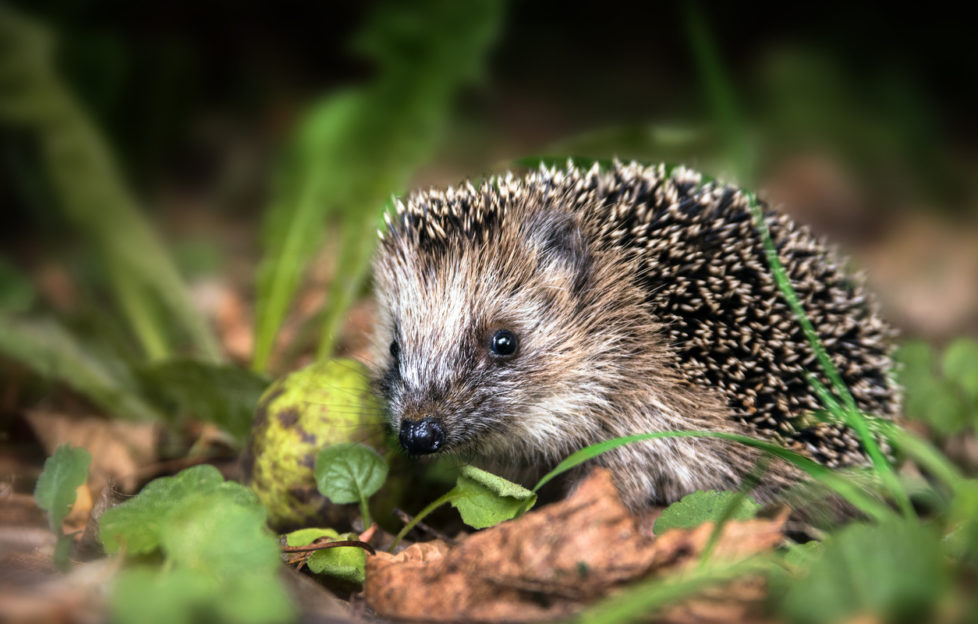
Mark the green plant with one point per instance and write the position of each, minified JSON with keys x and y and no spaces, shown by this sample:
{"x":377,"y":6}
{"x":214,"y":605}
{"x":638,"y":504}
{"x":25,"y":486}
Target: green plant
{"x":220,"y":561}
{"x":347,"y":563}
{"x":56,"y":491}
{"x":357,"y":147}
{"x":350,"y":473}
{"x":941,"y":389}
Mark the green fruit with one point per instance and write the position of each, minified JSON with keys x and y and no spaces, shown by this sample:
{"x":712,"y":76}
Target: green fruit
{"x":323,"y":404}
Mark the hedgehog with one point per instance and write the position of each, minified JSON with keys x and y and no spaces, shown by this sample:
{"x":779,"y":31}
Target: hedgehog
{"x":532,"y":315}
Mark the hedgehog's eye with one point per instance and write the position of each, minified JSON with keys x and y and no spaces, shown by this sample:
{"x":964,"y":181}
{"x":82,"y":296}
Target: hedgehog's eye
{"x":395,"y":349}
{"x":503,"y":344}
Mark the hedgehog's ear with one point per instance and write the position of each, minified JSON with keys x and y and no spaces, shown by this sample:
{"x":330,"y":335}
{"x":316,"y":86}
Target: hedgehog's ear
{"x":560,"y":244}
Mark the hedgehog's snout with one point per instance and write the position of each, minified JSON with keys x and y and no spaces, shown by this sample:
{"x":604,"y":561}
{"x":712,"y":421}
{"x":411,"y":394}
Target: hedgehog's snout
{"x":421,"y":437}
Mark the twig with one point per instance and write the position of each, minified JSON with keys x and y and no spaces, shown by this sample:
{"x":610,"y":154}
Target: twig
{"x":325,"y":545}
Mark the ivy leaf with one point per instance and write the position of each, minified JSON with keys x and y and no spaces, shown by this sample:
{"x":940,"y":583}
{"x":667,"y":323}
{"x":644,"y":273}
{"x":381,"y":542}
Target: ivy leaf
{"x":56,"y":488}
{"x":484,"y":499}
{"x":349,"y":472}
{"x":139,"y":522}
{"x":703,"y":506}
{"x":894,"y":571}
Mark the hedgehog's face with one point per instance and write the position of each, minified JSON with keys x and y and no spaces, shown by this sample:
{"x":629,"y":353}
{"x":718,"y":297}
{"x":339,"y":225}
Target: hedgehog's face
{"x":493,"y":348}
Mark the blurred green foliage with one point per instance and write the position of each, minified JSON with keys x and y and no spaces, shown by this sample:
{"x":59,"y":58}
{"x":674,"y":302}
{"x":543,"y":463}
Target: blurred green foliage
{"x":355,"y":148}
{"x":91,"y":194}
{"x":56,"y":491}
{"x":941,"y":389}
{"x":352,"y":148}
{"x":220,"y":561}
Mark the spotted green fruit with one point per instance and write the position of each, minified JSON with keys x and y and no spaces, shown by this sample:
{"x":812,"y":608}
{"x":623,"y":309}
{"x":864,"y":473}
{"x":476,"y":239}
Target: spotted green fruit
{"x":323,"y":404}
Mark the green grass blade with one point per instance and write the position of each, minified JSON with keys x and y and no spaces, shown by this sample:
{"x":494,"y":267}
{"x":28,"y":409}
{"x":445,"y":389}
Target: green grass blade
{"x":643,"y":599}
{"x":719,"y":92}
{"x":51,"y":351}
{"x":90,"y":189}
{"x":724,"y":104}
{"x":836,"y":482}
{"x":924,"y":453}
{"x":359,"y":147}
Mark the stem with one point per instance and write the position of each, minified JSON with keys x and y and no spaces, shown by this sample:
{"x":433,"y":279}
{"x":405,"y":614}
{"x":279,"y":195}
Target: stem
{"x":364,"y":511}
{"x":445,"y":498}
{"x":645,"y":598}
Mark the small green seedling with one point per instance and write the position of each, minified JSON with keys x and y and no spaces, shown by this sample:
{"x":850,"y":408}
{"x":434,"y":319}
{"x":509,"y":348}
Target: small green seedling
{"x":350,"y":473}
{"x":482,"y":498}
{"x":56,"y":490}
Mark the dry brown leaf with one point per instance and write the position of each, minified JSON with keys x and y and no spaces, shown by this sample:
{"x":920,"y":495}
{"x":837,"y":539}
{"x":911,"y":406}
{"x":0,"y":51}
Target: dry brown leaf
{"x":547,"y":563}
{"x":76,"y":598}
{"x":118,"y":448}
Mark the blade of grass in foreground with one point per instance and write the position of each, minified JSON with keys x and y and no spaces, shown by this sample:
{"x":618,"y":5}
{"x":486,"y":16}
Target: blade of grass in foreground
{"x":645,"y":598}
{"x":91,"y":190}
{"x":849,"y":491}
{"x":49,"y":349}
{"x":726,"y":112}
{"x":358,"y":147}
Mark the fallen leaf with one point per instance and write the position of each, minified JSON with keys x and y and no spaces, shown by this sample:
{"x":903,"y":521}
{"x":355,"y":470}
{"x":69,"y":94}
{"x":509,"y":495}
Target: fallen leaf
{"x":118,"y":448}
{"x":547,"y":563}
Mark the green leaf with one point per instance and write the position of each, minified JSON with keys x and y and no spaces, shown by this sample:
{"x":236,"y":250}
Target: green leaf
{"x":146,"y":595}
{"x":916,"y":361}
{"x":304,"y":537}
{"x":225,"y":395}
{"x":929,"y":398}
{"x":349,"y":472}
{"x":703,"y":506}
{"x":893,"y":571}
{"x":139,"y":523}
{"x":51,"y":351}
{"x":56,"y":488}
{"x":347,"y":563}
{"x":960,"y":366}
{"x":484,"y":499}
{"x":962,"y":537}
{"x":221,"y":565}
{"x":220,"y":560}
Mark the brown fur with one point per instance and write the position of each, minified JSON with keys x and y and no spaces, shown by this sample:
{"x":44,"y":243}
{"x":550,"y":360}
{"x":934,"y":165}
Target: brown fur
{"x":621,"y":287}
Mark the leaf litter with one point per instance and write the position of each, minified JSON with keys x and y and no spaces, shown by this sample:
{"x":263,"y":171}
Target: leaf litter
{"x":553,"y":561}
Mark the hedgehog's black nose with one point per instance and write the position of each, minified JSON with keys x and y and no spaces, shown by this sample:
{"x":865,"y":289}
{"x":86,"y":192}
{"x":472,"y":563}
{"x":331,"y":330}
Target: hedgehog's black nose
{"x":420,"y":437}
